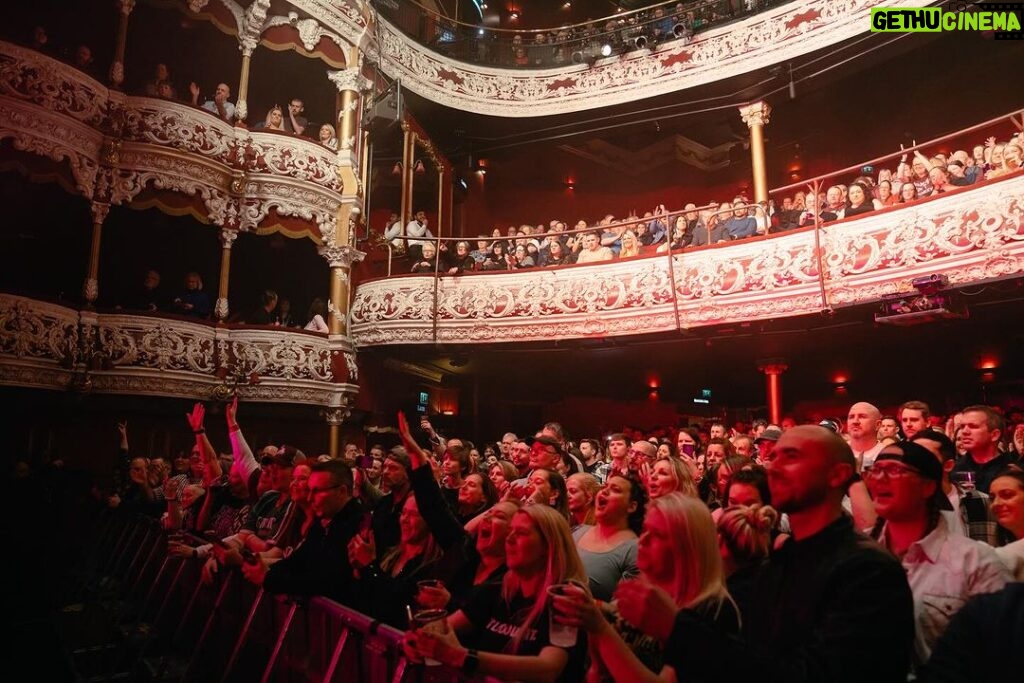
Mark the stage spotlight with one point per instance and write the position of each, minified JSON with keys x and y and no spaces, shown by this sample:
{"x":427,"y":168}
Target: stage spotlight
{"x":681,"y":31}
{"x":606,"y":50}
{"x":640,"y":42}
{"x":577,"y":57}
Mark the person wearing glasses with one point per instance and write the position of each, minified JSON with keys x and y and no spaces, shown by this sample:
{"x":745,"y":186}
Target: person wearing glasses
{"x":320,"y":565}
{"x":944,"y":568}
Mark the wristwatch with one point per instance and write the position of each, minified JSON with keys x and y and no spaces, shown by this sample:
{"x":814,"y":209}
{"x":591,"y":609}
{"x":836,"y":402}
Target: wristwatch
{"x":471,"y":663}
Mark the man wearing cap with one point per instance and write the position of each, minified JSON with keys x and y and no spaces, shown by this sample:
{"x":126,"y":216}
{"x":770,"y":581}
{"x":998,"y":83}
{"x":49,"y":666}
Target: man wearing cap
{"x":862,"y":425}
{"x":545,"y":453}
{"x":766,"y":442}
{"x":828,"y":605}
{"x":943,"y":568}
{"x":395,"y":475}
{"x":972,"y":515}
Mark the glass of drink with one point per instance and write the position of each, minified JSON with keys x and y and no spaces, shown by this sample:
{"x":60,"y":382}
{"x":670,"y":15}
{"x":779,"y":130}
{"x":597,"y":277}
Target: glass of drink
{"x":963,"y":480}
{"x":559,"y":634}
{"x":431,"y":621}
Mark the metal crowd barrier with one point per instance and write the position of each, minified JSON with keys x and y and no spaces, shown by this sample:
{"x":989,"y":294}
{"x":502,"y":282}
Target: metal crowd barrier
{"x":138,"y":613}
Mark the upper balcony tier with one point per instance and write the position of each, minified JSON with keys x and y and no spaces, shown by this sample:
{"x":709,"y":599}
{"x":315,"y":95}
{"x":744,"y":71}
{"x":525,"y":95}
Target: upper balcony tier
{"x":970,"y":235}
{"x":118,"y":146}
{"x":780,"y":33}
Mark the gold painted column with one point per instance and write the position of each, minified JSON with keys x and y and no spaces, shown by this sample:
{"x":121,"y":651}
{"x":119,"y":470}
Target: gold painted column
{"x":116,"y":74}
{"x":408,"y":162}
{"x":242,"y":108}
{"x":756,"y":117}
{"x":773,"y":370}
{"x":91,"y":287}
{"x":227,"y":239}
{"x":340,"y":258}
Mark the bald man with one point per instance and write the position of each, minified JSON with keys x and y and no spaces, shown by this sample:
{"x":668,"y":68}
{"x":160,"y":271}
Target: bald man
{"x":862,"y":425}
{"x":830,"y":605}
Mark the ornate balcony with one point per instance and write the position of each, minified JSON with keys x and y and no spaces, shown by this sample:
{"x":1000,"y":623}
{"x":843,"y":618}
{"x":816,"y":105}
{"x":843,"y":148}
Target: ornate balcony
{"x":50,"y":346}
{"x":117,"y":146}
{"x":971,"y":235}
{"x":771,"y":37}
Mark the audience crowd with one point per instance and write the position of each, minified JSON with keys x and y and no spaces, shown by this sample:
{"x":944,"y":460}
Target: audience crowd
{"x":843,"y":550}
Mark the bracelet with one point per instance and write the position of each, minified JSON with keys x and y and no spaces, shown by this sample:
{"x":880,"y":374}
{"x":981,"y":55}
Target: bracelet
{"x":471,"y":663}
{"x":199,"y":431}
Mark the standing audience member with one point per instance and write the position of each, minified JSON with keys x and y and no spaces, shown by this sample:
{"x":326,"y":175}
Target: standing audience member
{"x":943,"y":568}
{"x":1008,"y":507}
{"x":982,"y":429}
{"x":608,"y":549}
{"x":295,"y":122}
{"x":507,"y":623}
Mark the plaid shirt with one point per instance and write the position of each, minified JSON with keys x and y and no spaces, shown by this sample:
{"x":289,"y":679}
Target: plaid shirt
{"x":976,"y":519}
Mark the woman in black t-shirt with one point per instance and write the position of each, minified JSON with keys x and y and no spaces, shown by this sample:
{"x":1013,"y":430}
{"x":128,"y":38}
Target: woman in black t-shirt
{"x":506,"y":625}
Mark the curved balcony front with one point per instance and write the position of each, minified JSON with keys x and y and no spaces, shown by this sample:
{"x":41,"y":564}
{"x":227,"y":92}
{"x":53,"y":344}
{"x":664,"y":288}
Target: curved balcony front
{"x":971,"y":235}
{"x":116,"y":146}
{"x":774,"y":36}
{"x":51,"y":346}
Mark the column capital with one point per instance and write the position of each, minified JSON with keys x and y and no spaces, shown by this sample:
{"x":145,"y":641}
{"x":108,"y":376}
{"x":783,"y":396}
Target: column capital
{"x":91,"y":290}
{"x":227,"y":237}
{"x":774,"y":366}
{"x":350,"y":79}
{"x":339,"y":256}
{"x":756,"y":114}
{"x":99,"y":211}
{"x":336,"y":416}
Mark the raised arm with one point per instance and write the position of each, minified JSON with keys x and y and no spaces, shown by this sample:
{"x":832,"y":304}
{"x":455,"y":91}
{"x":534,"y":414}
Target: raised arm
{"x":240,"y":450}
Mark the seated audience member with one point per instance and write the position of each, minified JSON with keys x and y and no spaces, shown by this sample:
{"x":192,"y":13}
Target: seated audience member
{"x":608,"y":549}
{"x":264,"y":313}
{"x":84,"y":62}
{"x":556,"y":255}
{"x":630,"y":245}
{"x":508,"y":622}
{"x":294,"y":122}
{"x":593,"y":251}
{"x":1007,"y":493}
{"x":819,"y":604}
{"x":904,"y":483}
{"x":886,"y":195}
{"x":329,"y":139}
{"x":940,"y":180}
{"x":427,"y":263}
{"x":521,"y":258}
{"x":860,"y":200}
{"x":219,"y":105}
{"x":807,"y":217}
{"x":680,"y":563}
{"x":193,"y":301}
{"x":497,"y":258}
{"x":710,"y":228}
{"x":320,"y":565}
{"x":283,"y":313}
{"x":740,"y":224}
{"x":908,"y":193}
{"x":161,"y":75}
{"x":461,"y":261}
{"x":317,"y":316}
{"x":40,"y":40}
{"x":149,"y":297}
{"x":273,"y":121}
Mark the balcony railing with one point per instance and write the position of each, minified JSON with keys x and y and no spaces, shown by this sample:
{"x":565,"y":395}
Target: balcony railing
{"x":51,"y":346}
{"x":51,"y":109}
{"x":773,"y":36}
{"x":971,"y":235}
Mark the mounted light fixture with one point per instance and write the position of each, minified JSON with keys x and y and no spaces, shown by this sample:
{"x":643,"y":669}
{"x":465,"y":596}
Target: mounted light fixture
{"x":680,"y":31}
{"x":419,"y":167}
{"x":397,"y":168}
{"x":641,"y":42}
{"x":606,"y":50}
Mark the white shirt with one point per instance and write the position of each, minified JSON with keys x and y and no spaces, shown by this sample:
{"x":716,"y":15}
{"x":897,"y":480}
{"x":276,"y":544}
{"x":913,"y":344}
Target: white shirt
{"x":416,"y":229}
{"x":393,"y":233}
{"x":865,"y":459}
{"x":1012,"y":556}
{"x":944,"y":570}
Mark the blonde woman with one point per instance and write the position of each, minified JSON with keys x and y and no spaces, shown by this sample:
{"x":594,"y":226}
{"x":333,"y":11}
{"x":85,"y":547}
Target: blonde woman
{"x":669,"y":475}
{"x":745,"y":538}
{"x":630,"y":245}
{"x":508,"y":621}
{"x":582,"y":490}
{"x":274,"y":120}
{"x":681,"y":569}
{"x":327,"y":137}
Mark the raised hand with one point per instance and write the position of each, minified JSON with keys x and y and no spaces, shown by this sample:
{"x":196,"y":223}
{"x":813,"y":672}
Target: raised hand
{"x":122,"y":428}
{"x":641,"y":602}
{"x":231,"y":414}
{"x":195,"y":418}
{"x":416,"y":454}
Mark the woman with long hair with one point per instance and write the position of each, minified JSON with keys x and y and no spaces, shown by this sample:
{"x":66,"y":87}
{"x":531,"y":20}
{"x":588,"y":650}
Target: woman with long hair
{"x":669,"y":475}
{"x":317,"y":316}
{"x":390,"y":584}
{"x":327,"y":137}
{"x":1007,"y":495}
{"x":547,"y":487}
{"x":679,"y":562}
{"x":582,"y":489}
{"x":501,"y":474}
{"x":630,"y":245}
{"x":507,"y":621}
{"x":608,"y":549}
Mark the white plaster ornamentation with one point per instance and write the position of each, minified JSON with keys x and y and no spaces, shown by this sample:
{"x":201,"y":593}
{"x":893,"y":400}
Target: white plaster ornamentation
{"x":37,"y":330}
{"x":341,"y":256}
{"x":350,"y":79}
{"x":241,"y":110}
{"x":770,"y":37}
{"x":116,"y":72}
{"x":91,"y":289}
{"x":971,"y":235}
